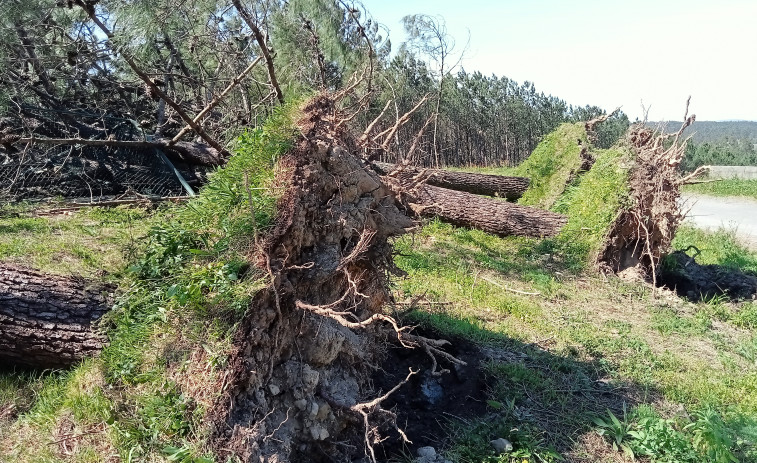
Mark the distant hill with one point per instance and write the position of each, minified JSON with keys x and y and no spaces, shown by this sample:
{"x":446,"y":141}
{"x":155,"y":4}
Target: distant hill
{"x":715,"y":132}
{"x":721,"y":143}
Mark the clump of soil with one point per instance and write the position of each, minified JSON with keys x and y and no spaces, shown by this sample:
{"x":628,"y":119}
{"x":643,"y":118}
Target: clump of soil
{"x":310,"y":342}
{"x":427,"y":403}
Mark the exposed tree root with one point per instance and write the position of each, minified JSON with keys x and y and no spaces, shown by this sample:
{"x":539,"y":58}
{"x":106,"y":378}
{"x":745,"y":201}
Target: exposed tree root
{"x":311,"y":340}
{"x":643,"y":232}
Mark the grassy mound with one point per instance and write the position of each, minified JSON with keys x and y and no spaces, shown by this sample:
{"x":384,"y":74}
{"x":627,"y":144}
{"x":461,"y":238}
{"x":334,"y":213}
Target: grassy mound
{"x":553,"y":163}
{"x":592,"y":204}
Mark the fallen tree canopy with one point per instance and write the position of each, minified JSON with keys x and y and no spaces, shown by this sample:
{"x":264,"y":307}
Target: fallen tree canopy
{"x":47,"y":321}
{"x":482,"y":184}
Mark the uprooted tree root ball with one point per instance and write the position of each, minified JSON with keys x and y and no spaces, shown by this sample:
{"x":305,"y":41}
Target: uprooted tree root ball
{"x":643,"y":231}
{"x":311,"y":340}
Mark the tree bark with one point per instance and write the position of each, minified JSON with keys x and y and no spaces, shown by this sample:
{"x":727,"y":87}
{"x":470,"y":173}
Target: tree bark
{"x":482,"y":184}
{"x":46,"y":321}
{"x":490,"y":215}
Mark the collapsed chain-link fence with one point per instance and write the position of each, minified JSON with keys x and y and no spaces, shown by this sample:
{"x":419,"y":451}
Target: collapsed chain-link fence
{"x":83,"y":172}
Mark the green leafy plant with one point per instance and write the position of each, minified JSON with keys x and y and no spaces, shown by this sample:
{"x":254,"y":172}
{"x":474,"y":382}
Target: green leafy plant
{"x":618,"y":431}
{"x":711,"y":436}
{"x":658,"y":439}
{"x":183,"y":455}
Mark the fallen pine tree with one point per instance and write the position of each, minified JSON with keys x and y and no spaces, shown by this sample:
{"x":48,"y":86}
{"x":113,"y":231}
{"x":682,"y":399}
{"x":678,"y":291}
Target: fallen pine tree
{"x":304,"y":353}
{"x":297,"y":383}
{"x":490,"y":215}
{"x":645,"y":226}
{"x":481,"y":184}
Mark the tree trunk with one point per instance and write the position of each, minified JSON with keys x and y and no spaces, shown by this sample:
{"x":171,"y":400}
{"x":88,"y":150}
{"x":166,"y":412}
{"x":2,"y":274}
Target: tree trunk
{"x":46,"y":321}
{"x":490,"y":215}
{"x":482,"y":184}
{"x":182,"y":151}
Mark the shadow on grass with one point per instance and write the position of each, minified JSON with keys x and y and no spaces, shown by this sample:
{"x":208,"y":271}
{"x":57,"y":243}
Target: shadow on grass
{"x":542,"y":396}
{"x":710,"y":264}
{"x":697,"y":282}
{"x":540,"y":401}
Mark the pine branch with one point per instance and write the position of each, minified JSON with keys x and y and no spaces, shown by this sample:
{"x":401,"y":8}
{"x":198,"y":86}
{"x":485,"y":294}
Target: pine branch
{"x":154,"y":88}
{"x":263,"y":47}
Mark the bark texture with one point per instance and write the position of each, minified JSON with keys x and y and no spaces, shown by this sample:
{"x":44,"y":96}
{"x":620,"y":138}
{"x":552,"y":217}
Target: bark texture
{"x":481,"y":184}
{"x":46,"y":321}
{"x":490,"y":215}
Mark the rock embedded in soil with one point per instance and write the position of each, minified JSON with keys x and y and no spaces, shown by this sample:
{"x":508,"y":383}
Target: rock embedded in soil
{"x":426,"y":452}
{"x":502,"y":445}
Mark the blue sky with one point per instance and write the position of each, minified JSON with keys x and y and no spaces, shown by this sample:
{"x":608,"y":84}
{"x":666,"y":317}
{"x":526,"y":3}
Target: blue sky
{"x":609,"y":53}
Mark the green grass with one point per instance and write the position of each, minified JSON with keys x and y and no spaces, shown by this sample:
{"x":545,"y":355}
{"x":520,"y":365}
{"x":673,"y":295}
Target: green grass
{"x":90,"y":242}
{"x":592,"y":204}
{"x":69,"y":408}
{"x":171,"y":332}
{"x":720,"y":247}
{"x":580,"y":337}
{"x":556,"y":359}
{"x":554,"y":161}
{"x":727,"y":187}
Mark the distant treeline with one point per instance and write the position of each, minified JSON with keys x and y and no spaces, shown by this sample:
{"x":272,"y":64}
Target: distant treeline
{"x":483,"y":120}
{"x":727,"y":143}
{"x":726,"y":152}
{"x":715,"y":131}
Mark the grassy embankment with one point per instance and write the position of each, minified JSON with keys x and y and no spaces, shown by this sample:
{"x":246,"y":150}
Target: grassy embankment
{"x":729,"y":187}
{"x":184,"y":283}
{"x":680,"y":377}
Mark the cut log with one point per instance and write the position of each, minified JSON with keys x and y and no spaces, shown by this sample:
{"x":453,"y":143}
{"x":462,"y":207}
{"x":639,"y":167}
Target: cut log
{"x":46,"y":321}
{"x":482,"y":184}
{"x":490,"y":215}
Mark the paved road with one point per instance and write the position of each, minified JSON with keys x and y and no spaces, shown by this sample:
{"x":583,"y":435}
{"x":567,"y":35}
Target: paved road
{"x":710,"y":212}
